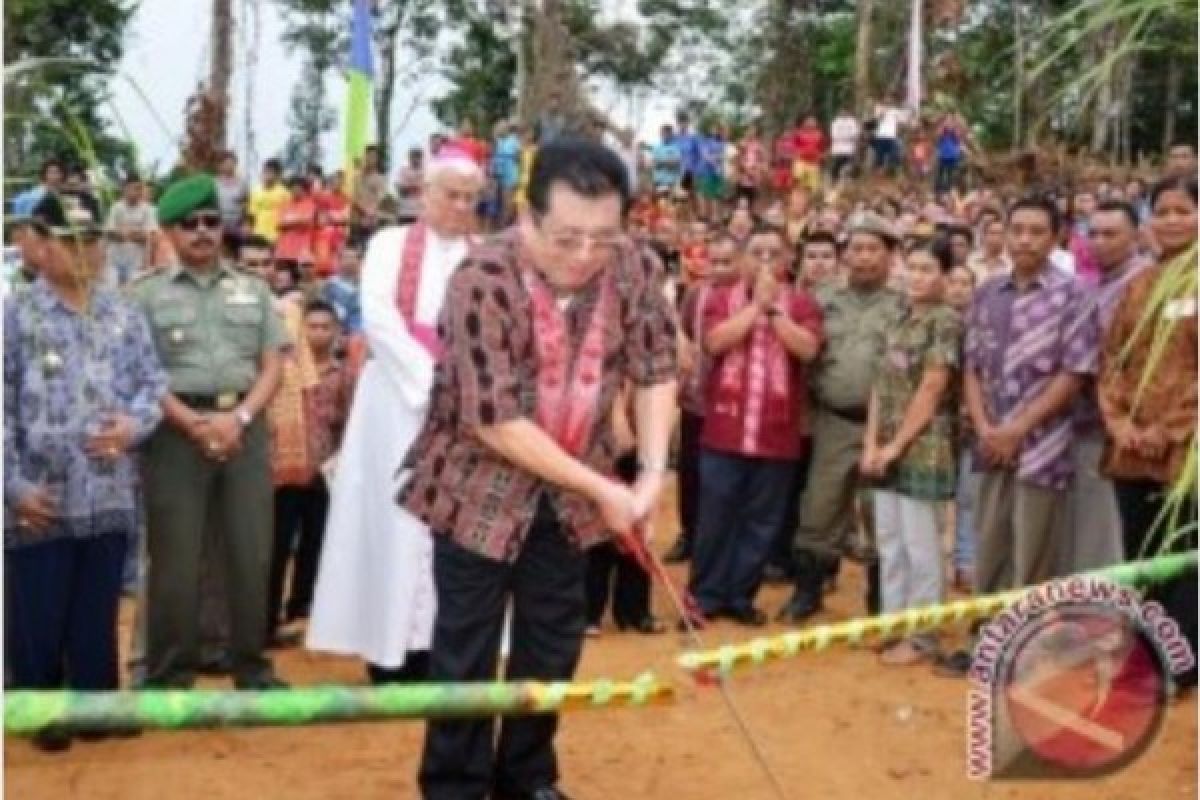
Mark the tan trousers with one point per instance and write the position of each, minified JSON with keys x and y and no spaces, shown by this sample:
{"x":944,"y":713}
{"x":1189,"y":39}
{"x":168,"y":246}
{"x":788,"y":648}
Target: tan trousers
{"x":1020,"y":528}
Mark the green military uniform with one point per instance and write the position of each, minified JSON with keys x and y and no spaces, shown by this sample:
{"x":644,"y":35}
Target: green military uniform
{"x":855,"y":326}
{"x":855,"y":323}
{"x":211,"y":328}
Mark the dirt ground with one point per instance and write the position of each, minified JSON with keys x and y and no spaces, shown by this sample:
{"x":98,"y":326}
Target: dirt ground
{"x":835,"y":725}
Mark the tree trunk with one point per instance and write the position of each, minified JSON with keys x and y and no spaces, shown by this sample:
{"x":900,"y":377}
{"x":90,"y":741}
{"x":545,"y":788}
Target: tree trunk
{"x":1102,"y":117}
{"x":554,"y":93}
{"x":222,"y":66}
{"x":862,"y":58}
{"x":1018,"y":133}
{"x":386,"y":37}
{"x":1171,"y":102}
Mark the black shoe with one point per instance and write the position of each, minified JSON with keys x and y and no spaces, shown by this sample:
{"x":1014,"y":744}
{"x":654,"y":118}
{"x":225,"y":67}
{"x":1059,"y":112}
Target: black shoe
{"x":806,"y":600}
{"x":750,"y":617}
{"x":216,"y":667}
{"x":547,"y":793}
{"x":544,"y":793}
{"x":648,"y":624}
{"x":952,"y":665}
{"x":680,"y":552}
{"x":260,"y":683}
{"x":874,"y":591}
{"x":54,"y":739}
{"x":100,"y":734}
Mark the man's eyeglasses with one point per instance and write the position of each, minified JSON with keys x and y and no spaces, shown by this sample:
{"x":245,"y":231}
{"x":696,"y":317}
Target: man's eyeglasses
{"x":191,"y":223}
{"x":765,"y":253}
{"x":573,"y":240}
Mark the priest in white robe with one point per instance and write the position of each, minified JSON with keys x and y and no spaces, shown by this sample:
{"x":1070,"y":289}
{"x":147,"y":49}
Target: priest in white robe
{"x":374,"y":594}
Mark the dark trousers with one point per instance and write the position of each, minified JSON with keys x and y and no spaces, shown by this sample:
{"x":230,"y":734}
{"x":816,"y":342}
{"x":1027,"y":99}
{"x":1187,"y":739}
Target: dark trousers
{"x":188,"y":494}
{"x":1140,"y":504}
{"x":782,"y":555}
{"x":300,"y":513}
{"x":611,"y":573}
{"x":740,"y":515}
{"x":691,"y":426}
{"x":462,"y":759}
{"x":946,"y":176}
{"x":61,"y":600}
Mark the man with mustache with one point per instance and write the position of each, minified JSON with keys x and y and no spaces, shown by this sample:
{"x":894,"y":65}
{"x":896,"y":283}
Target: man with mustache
{"x":219,"y":338}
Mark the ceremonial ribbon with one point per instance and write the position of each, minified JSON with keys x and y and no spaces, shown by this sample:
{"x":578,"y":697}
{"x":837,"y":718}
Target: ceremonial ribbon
{"x":27,"y":712}
{"x":726,"y":658}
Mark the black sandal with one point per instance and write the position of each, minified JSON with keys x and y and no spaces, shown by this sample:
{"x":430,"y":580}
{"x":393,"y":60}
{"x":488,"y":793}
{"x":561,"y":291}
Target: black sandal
{"x":648,"y":625}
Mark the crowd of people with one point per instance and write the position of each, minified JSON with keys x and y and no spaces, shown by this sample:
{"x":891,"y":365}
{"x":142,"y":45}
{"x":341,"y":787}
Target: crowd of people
{"x":356,"y":417}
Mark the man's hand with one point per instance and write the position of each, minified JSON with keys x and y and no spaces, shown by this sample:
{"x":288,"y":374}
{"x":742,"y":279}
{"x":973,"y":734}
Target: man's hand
{"x":616,"y":505}
{"x":1003,"y":443}
{"x":218,"y":435}
{"x":647,"y":491}
{"x":766,"y":288}
{"x":36,"y":510}
{"x":884,"y":458}
{"x":114,"y":438}
{"x":866,"y":462}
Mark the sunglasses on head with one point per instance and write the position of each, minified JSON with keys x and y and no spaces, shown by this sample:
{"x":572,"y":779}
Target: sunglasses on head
{"x":192,"y":222}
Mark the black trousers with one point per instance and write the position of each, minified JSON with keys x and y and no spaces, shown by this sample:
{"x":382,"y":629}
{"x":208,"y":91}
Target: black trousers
{"x":781,"y":549}
{"x":300,"y":513}
{"x":611,"y":573}
{"x":740,"y":515}
{"x":1140,"y":503}
{"x":691,"y":426}
{"x":60,"y":602}
{"x":463,"y":759}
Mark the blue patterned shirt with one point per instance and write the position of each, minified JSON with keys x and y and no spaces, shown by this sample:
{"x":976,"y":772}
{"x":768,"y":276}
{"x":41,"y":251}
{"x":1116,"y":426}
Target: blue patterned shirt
{"x":1017,"y":342}
{"x":63,"y":371}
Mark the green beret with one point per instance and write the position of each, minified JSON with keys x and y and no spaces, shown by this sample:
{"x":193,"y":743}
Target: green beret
{"x":186,"y":195}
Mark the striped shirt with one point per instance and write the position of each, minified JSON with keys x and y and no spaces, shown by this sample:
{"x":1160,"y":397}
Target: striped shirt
{"x":1017,"y":342}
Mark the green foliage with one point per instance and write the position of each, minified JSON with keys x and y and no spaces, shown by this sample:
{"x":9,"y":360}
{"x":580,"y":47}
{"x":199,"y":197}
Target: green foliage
{"x":319,"y":30}
{"x":482,"y":72}
{"x":38,"y":101}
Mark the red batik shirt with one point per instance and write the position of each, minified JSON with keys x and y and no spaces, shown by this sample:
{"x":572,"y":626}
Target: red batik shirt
{"x":463,"y":489}
{"x":756,"y":404}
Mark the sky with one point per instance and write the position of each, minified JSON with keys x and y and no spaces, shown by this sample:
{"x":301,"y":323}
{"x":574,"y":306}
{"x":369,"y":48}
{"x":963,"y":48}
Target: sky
{"x":166,"y":56}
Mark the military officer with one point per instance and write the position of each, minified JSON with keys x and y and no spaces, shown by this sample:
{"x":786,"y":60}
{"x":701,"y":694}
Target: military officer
{"x":219,"y":339}
{"x":856,"y":318}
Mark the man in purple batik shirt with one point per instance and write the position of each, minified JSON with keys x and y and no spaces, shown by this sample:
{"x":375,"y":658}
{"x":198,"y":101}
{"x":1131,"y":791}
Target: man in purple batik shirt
{"x":1027,"y":358}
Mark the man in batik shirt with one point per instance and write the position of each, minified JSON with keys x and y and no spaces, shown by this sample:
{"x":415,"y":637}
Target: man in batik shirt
{"x":513,"y":469}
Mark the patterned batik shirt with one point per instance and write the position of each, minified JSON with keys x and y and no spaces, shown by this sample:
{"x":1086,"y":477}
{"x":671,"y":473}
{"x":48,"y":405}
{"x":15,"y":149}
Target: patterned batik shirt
{"x":927,"y":468}
{"x":460,"y":487}
{"x":63,"y":371}
{"x":1017,"y":342}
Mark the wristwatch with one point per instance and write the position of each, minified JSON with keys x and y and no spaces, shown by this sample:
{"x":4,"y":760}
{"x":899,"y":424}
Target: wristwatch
{"x":243,"y":417}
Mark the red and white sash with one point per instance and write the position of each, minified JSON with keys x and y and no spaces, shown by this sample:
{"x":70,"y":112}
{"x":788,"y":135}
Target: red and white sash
{"x":407,"y":288}
{"x":568,"y":384}
{"x":752,"y":381}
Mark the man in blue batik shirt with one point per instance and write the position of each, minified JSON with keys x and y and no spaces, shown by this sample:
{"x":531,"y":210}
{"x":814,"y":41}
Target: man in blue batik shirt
{"x":82,"y":389}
